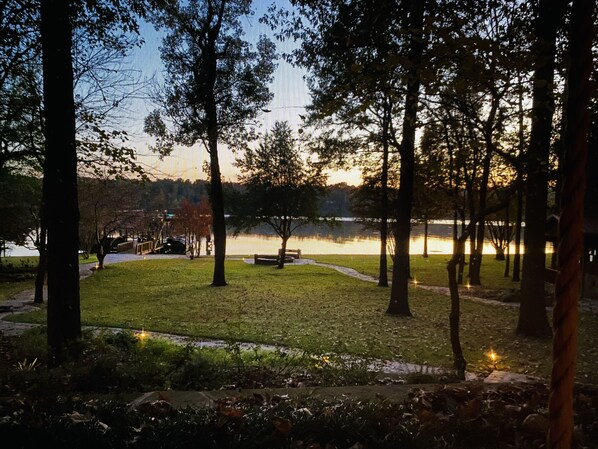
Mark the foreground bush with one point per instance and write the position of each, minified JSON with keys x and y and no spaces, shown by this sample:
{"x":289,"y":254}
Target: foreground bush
{"x":68,"y":406}
{"x":126,"y":362}
{"x":446,"y":417}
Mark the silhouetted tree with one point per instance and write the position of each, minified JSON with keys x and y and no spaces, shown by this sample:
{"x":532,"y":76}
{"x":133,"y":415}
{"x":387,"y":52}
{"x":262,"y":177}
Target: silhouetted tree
{"x":215,"y":85}
{"x":280,"y":188}
{"x":60,"y":178}
{"x":533,"y":321}
{"x":20,"y":198}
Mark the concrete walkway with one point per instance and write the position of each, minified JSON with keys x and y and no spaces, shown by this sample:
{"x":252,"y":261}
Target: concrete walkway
{"x":23,"y":302}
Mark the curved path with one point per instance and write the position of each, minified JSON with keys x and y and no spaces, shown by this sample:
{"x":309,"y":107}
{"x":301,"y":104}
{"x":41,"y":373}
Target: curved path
{"x":23,"y":302}
{"x":585,"y":304}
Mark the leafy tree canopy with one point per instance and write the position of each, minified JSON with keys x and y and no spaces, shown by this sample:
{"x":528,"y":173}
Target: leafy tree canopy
{"x":202,"y":34}
{"x":281,"y":189}
{"x":19,"y":205}
{"x":104,"y":31}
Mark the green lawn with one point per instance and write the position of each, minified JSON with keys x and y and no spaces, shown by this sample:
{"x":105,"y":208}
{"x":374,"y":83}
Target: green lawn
{"x":429,"y":271}
{"x":10,"y":289}
{"x":24,"y":265}
{"x":17,"y":274}
{"x":313,"y":308}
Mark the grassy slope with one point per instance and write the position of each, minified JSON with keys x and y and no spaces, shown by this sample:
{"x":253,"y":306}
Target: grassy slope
{"x":313,"y":308}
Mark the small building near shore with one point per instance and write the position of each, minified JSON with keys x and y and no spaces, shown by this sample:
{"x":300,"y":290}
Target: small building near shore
{"x":590,"y":252}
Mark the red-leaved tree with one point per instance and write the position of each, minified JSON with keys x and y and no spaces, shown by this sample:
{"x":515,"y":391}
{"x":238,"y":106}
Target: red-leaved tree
{"x":194,"y":221}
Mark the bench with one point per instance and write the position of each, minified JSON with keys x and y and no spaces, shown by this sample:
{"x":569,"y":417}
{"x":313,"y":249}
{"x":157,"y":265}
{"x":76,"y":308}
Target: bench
{"x":126,"y":246}
{"x":294,"y":253}
{"x":270,"y":259}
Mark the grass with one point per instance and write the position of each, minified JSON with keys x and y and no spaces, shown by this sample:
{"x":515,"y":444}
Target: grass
{"x":312,"y":308}
{"x":17,"y":274}
{"x":11,"y":289}
{"x":30,"y":262}
{"x":428,"y":271}
{"x":123,"y":363}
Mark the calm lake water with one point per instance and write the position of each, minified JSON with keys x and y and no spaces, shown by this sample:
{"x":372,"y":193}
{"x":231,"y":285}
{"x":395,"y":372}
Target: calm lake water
{"x":346,"y":237}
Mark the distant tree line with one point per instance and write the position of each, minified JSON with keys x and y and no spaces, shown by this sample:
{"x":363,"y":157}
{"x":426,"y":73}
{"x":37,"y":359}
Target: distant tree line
{"x":101,"y":201}
{"x":167,"y":194}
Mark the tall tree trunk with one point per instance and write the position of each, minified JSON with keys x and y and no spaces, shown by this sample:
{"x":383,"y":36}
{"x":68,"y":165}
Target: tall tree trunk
{"x":425,"y":254}
{"x":461,"y":272}
{"x":454,"y":317}
{"x":383,"y":274}
{"x":560,"y":151}
{"x":471,"y":253}
{"x":559,"y":147}
{"x":399,"y":292}
{"x":476,"y":264}
{"x":216,"y":191}
{"x":519,"y":214}
{"x":454,"y":181}
{"x":101,"y":254}
{"x":553,"y":255}
{"x":508,"y":238}
{"x":218,"y":220}
{"x":283,"y":251}
{"x":454,"y":192}
{"x":461,"y":261}
{"x":42,"y":265}
{"x":60,"y":179}
{"x":568,"y":279}
{"x":518,"y":223}
{"x":459,"y":361}
{"x":472,"y":212}
{"x":455,"y":229}
{"x":533,"y":321}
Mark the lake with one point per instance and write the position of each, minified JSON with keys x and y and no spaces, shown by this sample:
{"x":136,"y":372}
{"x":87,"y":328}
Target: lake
{"x":346,"y":237}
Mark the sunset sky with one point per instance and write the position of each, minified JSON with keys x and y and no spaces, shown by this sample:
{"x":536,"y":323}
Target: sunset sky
{"x":290,"y":97}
